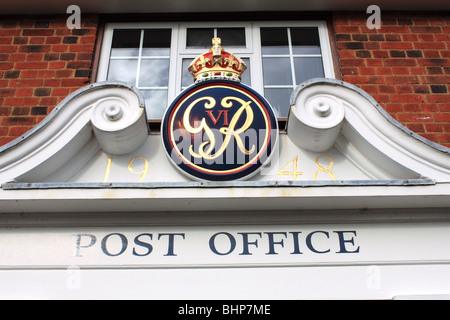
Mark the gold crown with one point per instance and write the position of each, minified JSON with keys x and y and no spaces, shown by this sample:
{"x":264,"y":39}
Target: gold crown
{"x":217,"y":63}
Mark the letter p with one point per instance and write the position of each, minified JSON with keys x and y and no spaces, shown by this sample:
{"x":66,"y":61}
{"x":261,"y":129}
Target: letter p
{"x":78,"y":243}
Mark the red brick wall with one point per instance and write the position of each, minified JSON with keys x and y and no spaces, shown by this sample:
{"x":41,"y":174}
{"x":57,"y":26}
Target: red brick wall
{"x":41,"y":62}
{"x":405,"y":66}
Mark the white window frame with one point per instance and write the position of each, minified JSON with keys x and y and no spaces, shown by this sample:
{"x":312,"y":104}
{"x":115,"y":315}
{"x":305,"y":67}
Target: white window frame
{"x":178,"y":49}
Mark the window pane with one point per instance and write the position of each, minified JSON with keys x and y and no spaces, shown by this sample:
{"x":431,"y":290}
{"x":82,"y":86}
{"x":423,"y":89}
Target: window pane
{"x":308,"y":68}
{"x":279,"y":99}
{"x":246,"y":76}
{"x":154,"y":73}
{"x":186,"y":77}
{"x":232,"y":37}
{"x":199,"y":37}
{"x":123,"y":70}
{"x":125,"y":43}
{"x":274,"y":41}
{"x":156,"y":42}
{"x":277,"y":71}
{"x":305,"y":40}
{"x":155,"y":103}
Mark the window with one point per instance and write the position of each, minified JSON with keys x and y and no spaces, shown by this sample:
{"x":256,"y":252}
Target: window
{"x":155,"y":57}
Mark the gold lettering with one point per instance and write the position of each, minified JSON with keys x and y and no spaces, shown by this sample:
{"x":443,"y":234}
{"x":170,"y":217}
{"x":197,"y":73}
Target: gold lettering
{"x":295,"y":171}
{"x":228,"y":132}
{"x":143,"y":172}
{"x":323,"y":169}
{"x":108,"y":169}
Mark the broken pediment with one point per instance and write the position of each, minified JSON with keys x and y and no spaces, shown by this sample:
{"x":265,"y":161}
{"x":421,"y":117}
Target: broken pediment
{"x":336,"y":136}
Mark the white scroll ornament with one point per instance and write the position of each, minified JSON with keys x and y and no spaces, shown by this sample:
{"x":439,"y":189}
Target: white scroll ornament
{"x":315,"y":121}
{"x":119,"y":124}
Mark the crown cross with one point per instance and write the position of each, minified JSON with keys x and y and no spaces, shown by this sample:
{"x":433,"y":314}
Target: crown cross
{"x":217,"y":64}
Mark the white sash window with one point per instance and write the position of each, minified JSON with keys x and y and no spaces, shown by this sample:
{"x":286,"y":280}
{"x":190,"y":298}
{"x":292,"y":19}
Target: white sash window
{"x":154,"y":57}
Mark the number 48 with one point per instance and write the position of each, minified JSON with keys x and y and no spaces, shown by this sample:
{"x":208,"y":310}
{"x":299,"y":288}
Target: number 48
{"x":295,"y":172}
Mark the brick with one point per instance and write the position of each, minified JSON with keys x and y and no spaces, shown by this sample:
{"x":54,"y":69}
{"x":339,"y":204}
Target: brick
{"x":29,"y":74}
{"x":433,"y":127}
{"x":60,"y":92}
{"x":399,"y":62}
{"x":5,"y":140}
{"x":444,"y":138}
{"x":376,"y":80}
{"x":5,"y":111}
{"x":8,"y":48}
{"x":70,"y":40}
{"x":442,"y":98}
{"x":397,"y":54}
{"x":24,"y":92}
{"x":350,"y":45}
{"x":430,"y":107}
{"x":51,"y":56}
{"x":442,"y":117}
{"x":31,"y":65}
{"x":39,"y":111}
{"x":421,"y":89}
{"x":438,"y":88}
{"x":363,"y":54}
{"x":394,"y":107}
{"x":73,"y":82}
{"x":56,"y":65}
{"x":347,"y":29}
{"x":52,"y":82}
{"x":17,"y":131}
{"x":37,"y":32}
{"x":371,"y":45}
{"x":435,"y":62}
{"x":412,"y":107}
{"x":35,"y":48}
{"x":21,"y":101}
{"x":397,"y":45}
{"x":403,"y":89}
{"x":6,"y":92}
{"x":67,"y":56}
{"x":53,"y":40}
{"x":46,"y":74}
{"x":416,"y":127}
{"x":12,"y":74}
{"x":42,"y":92}
{"x":60,"y":48}
{"x":48,"y":101}
{"x":82,"y":73}
{"x":80,"y":48}
{"x":353,"y":63}
{"x":431,"y":54}
{"x":78,"y":64}
{"x":83,"y":32}
{"x":35,"y":57}
{"x":393,"y":37}
{"x":434,"y":29}
{"x":17,"y":57}
{"x":429,"y":45}
{"x":26,"y":83}
{"x":406,"y":98}
{"x":415,"y":117}
{"x":376,"y":37}
{"x":400,"y":70}
{"x":11,"y":121}
{"x":355,"y":79}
